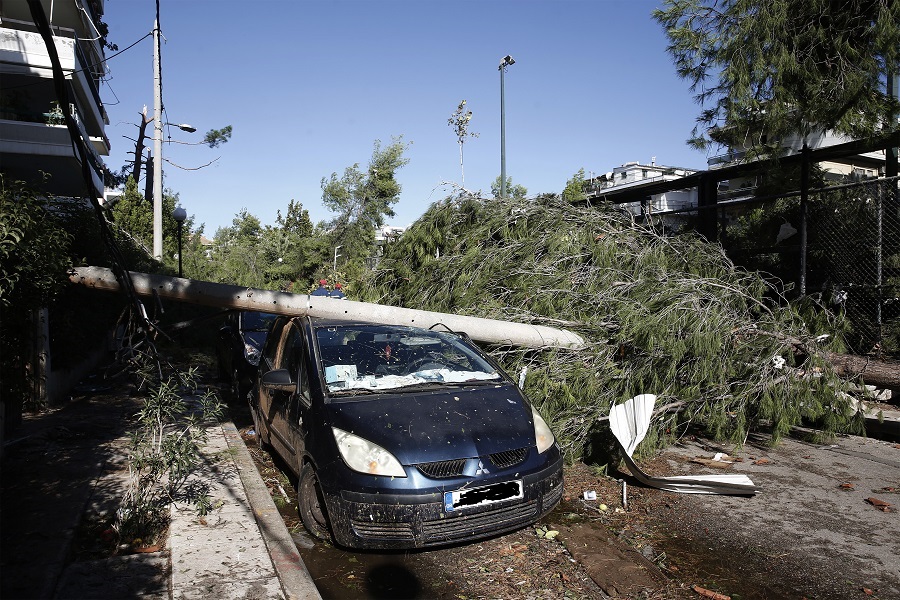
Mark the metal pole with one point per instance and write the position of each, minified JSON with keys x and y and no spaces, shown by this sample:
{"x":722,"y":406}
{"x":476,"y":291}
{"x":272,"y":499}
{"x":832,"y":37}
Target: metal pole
{"x":893,"y":90}
{"x":804,"y":213}
{"x":180,"y":225}
{"x":157,"y":145}
{"x":502,"y":134}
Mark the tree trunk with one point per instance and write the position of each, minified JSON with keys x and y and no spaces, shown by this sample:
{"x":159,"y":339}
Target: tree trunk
{"x":872,"y":371}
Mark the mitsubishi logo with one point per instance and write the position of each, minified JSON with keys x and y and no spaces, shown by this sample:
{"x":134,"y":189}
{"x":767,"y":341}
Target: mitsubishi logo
{"x":481,"y":470}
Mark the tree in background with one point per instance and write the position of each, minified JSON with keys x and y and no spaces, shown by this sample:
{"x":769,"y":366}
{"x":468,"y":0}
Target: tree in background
{"x":213,"y":138}
{"x":132,"y":215}
{"x":574,"y":190}
{"x":362,"y":200}
{"x":281,"y":257}
{"x":767,"y":69}
{"x":459,"y":121}
{"x":516,"y":191}
{"x":237,"y":253}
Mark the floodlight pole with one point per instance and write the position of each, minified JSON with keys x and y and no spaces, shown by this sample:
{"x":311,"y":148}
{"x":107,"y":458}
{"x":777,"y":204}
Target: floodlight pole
{"x":505,"y":62}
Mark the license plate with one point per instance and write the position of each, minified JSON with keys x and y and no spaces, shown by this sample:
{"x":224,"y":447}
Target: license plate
{"x":469,"y":497}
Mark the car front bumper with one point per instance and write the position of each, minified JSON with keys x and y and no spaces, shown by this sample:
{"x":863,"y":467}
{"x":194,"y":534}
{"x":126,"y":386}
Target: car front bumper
{"x":394,"y":521}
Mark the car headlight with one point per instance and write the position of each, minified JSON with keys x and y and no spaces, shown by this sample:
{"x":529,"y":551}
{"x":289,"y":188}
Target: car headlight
{"x":252,"y":354}
{"x":364,"y":456}
{"x":542,"y":433}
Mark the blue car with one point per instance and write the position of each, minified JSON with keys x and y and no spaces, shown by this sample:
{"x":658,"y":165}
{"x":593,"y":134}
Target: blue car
{"x":401,"y":437}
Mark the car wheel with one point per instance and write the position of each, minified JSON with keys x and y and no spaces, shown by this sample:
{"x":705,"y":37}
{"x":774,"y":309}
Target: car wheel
{"x":311,"y":504}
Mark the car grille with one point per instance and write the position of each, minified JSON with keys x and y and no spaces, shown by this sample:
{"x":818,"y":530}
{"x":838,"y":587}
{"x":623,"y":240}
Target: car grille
{"x":509,"y":458}
{"x":393,"y":531}
{"x":464,"y":526}
{"x":443,"y":469}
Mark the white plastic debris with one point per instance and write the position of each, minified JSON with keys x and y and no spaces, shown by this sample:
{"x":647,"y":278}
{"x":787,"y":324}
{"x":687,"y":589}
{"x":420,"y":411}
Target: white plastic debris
{"x":629,"y":422}
{"x":590,"y":495}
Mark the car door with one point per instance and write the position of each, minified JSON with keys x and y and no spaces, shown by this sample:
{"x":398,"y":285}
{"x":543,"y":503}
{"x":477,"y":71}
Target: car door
{"x":272,"y":356}
{"x":289,"y":408}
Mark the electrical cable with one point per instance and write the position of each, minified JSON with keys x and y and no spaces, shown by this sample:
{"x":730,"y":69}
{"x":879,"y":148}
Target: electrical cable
{"x":62,"y":93}
{"x":73,"y":71}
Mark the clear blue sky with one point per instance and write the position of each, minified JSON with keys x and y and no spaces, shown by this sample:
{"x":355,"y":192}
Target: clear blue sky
{"x":308,"y":86}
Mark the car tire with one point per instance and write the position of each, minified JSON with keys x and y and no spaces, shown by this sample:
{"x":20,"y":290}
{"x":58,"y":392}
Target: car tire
{"x":311,"y":504}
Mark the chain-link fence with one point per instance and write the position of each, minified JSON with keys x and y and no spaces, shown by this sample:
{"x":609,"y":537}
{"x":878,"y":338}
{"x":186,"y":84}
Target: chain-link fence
{"x":846,"y":251}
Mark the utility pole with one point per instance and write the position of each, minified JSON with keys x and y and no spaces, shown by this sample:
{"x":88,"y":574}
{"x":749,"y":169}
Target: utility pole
{"x":157,"y":143}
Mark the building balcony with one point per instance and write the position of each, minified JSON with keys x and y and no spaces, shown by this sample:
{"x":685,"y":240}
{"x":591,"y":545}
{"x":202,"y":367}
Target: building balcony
{"x":30,"y":150}
{"x":23,"y":55}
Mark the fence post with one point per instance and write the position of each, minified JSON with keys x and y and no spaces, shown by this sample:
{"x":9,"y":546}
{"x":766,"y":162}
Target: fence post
{"x":707,"y":202}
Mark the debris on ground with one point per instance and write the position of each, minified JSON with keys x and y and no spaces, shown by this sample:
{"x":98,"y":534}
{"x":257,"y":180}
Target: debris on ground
{"x":629,"y":422}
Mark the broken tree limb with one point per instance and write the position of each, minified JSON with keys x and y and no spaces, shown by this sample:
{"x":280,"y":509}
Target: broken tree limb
{"x":236,"y":297}
{"x":877,"y":372}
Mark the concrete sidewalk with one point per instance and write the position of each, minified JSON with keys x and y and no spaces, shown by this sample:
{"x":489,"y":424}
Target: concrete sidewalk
{"x":65,"y":470}
{"x":241,"y":549}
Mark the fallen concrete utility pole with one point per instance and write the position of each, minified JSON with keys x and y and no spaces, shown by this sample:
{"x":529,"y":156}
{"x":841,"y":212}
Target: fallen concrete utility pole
{"x":236,"y":297}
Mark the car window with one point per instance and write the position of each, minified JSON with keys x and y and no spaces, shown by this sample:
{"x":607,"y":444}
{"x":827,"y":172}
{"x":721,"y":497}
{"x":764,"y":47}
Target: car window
{"x":294,"y":359}
{"x":273,"y":343}
{"x":257,"y":321}
{"x":382,"y":357}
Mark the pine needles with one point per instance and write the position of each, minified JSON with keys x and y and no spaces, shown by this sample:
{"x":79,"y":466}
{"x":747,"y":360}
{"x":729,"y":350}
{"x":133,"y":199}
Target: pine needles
{"x":671,"y":316}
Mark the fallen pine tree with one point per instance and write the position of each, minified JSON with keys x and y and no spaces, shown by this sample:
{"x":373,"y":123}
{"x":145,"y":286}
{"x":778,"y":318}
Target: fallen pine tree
{"x":667,"y":315}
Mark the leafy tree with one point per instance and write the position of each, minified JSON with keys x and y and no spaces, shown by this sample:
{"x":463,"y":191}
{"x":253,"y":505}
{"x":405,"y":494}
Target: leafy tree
{"x":237,"y":253}
{"x":766,"y":69}
{"x":459,"y":121}
{"x":133,"y":217}
{"x":516,"y":192}
{"x":574,"y":190}
{"x":34,"y":256}
{"x":216,"y":137}
{"x":362,"y":200}
{"x":296,"y":220}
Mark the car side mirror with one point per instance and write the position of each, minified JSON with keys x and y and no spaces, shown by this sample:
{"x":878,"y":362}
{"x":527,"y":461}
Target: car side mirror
{"x":279,"y":379}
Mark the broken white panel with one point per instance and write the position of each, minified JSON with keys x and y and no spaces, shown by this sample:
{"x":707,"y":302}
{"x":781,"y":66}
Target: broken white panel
{"x":629,"y":422}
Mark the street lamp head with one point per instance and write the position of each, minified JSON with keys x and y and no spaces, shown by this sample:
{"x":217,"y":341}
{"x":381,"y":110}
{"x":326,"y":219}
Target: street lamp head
{"x":183,"y":127}
{"x":179,"y":214}
{"x":506,"y":61}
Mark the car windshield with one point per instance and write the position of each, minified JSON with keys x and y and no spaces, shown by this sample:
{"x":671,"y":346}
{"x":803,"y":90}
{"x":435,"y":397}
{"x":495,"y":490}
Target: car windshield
{"x":257,"y":321}
{"x":370,"y":358}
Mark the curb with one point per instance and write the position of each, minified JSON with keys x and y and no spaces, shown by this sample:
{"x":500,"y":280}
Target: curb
{"x":295,"y":579}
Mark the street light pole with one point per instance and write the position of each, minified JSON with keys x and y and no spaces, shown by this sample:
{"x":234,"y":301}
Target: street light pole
{"x":179,"y":214}
{"x":505,"y":62}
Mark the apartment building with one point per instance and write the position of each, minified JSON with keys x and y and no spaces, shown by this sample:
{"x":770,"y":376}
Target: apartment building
{"x":632,"y":176}
{"x":35,"y":145}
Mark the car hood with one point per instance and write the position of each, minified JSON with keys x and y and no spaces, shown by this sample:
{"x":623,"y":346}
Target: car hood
{"x":443,"y":425}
